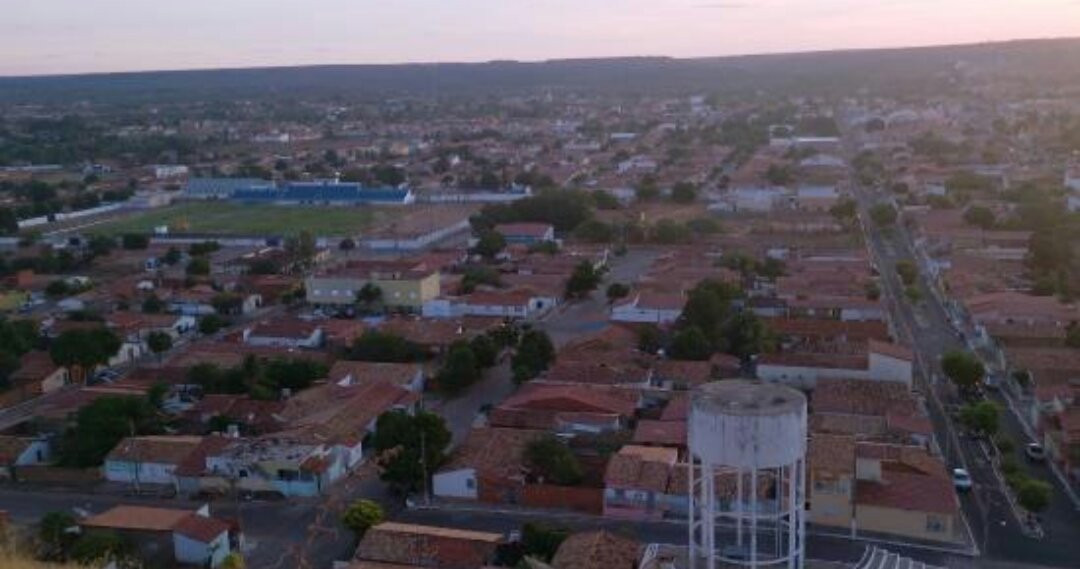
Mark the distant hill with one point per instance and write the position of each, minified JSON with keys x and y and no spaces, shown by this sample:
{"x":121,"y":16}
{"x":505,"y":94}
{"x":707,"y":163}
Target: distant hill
{"x":911,"y":70}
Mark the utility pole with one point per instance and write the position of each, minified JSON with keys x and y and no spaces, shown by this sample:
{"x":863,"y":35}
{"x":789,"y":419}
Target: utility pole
{"x":423,"y":466}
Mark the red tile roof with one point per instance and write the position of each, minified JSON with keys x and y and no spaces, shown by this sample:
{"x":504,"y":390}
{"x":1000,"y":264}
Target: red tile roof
{"x":201,"y":528}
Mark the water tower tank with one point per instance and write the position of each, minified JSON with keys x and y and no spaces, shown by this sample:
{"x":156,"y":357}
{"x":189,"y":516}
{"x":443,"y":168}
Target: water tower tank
{"x":747,"y":443}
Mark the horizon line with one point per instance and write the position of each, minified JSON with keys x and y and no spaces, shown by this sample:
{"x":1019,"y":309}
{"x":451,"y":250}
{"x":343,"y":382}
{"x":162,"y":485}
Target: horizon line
{"x":537,"y":61}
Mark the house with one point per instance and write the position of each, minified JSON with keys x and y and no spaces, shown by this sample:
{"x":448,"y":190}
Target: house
{"x":512,"y":304}
{"x":597,"y":550}
{"x":816,"y":198}
{"x":165,"y":535}
{"x":881,"y":487}
{"x":37,"y":375}
{"x":402,"y":285}
{"x":284,"y":333}
{"x":874,"y":361}
{"x":870,"y":409}
{"x":410,"y":545}
{"x":486,"y":467}
{"x":526,"y":233}
{"x":18,"y":451}
{"x":201,"y":540}
{"x":649,"y":307}
{"x":635,"y":480}
{"x":148,"y":460}
{"x":904,"y":491}
{"x":346,"y":373}
{"x":569,"y":408}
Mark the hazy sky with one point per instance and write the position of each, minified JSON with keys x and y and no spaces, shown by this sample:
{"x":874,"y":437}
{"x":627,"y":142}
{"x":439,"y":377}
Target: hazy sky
{"x":65,"y":36}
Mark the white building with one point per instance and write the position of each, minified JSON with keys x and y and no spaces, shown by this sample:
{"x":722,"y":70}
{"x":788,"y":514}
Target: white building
{"x":880,"y":362}
{"x":649,"y":308}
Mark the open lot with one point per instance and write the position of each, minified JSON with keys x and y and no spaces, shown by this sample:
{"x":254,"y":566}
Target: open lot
{"x":242,"y":219}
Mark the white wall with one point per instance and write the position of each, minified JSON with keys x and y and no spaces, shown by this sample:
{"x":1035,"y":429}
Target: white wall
{"x":148,"y":472}
{"x":887,"y":368}
{"x":805,"y":377}
{"x":455,"y":484}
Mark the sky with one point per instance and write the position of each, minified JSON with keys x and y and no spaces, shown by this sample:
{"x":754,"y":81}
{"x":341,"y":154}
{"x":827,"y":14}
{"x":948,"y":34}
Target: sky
{"x":78,"y":36}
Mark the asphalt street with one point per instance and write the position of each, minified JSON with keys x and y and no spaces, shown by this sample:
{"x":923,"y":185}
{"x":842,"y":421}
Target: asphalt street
{"x":929,"y":330}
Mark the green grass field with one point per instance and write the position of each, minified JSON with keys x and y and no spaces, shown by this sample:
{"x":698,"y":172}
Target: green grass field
{"x":241,"y":219}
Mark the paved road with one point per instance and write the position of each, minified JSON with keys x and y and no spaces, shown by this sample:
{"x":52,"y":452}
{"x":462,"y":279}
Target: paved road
{"x":286,"y":534}
{"x":819,"y":545}
{"x":928,"y":328}
{"x":591,"y":314}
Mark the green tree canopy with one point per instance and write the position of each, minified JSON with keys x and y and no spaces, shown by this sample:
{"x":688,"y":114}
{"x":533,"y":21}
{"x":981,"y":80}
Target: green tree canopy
{"x":460,"y":370}
{"x":361,"y":515}
{"x":101,"y":424}
{"x":84,"y":349}
{"x":398,"y":440}
{"x":534,"y":354}
{"x":583,"y":280}
{"x":963,"y":369}
{"x":376,"y":346}
{"x":883,"y":215}
{"x":549,"y":459}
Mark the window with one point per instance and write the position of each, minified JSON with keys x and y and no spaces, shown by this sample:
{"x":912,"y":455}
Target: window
{"x":470,"y":483}
{"x":935,"y":524}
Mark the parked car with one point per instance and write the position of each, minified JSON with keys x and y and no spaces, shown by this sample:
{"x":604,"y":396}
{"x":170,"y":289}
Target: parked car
{"x":961,"y":480}
{"x":1035,"y":452}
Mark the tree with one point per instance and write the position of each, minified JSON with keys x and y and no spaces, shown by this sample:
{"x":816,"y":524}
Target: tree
{"x":1072,"y":335}
{"x":485,"y":350}
{"x":604,"y":200}
{"x":683,"y":192}
{"x":234,"y":560}
{"x":778,"y":175}
{"x":615,"y":291}
{"x":81,"y":350}
{"x":690,"y":344}
{"x":476,"y":275}
{"x":981,"y":417}
{"x":172,"y":256}
{"x":398,"y":440}
{"x":99,"y":546}
{"x":100,"y":245}
{"x":595,"y":231}
{"x":56,"y":534}
{"x":361,"y":515}
{"x":551,"y":461}
{"x":132,"y":241}
{"x":300,"y":249}
{"x":534,"y":354}
{"x":376,"y":346}
{"x":199,"y":266}
{"x":227,"y":303}
{"x":647,"y":191}
{"x":963,"y":369}
{"x":203,"y":248}
{"x":883,"y":215}
{"x":368,"y":297}
{"x":907,"y":270}
{"x":1034,"y":495}
{"x":153,"y":305}
{"x":489,"y":244}
{"x":101,"y":424}
{"x":582,"y":281}
{"x":159,"y":342}
{"x":542,"y":542}
{"x":460,"y":369}
{"x":650,"y":339}
{"x":211,"y":323}
{"x":980,"y":216}
{"x":844,"y":210}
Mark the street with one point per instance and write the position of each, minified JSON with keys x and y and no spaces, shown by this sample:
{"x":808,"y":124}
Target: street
{"x":929,"y":330}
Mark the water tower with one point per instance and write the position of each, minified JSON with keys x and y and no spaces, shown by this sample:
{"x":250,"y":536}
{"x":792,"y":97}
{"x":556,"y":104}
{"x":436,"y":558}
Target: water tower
{"x":747,"y":475}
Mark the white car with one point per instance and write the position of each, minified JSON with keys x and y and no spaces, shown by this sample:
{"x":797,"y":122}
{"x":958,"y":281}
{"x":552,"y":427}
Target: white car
{"x":1035,"y":452}
{"x":961,"y":480}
